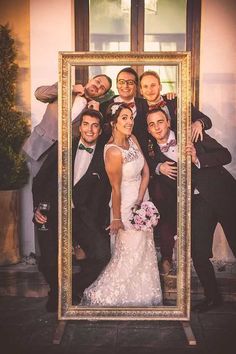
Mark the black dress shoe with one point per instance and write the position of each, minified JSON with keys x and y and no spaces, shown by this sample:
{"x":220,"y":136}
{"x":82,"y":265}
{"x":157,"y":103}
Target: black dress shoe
{"x":207,"y":305}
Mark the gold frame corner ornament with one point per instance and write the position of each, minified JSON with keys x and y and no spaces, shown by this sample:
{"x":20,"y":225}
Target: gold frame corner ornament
{"x":67,"y":60}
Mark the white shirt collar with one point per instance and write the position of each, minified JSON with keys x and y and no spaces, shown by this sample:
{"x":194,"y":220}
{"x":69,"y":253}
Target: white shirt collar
{"x":119,"y":99}
{"x":170,"y":137}
{"x":90,"y":146}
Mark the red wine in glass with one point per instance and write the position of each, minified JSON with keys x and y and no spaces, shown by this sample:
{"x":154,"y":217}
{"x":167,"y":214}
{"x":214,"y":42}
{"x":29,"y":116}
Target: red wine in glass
{"x":44,"y":208}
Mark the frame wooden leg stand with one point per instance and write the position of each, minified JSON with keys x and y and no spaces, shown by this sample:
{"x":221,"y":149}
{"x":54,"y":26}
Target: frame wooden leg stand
{"x":189,"y":333}
{"x":59,"y":332}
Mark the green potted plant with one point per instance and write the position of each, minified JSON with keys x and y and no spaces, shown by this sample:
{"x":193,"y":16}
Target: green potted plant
{"x":13,"y":167}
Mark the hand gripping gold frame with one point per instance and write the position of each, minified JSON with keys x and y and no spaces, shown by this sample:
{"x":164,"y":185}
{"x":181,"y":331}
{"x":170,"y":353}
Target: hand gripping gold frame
{"x":67,"y":61}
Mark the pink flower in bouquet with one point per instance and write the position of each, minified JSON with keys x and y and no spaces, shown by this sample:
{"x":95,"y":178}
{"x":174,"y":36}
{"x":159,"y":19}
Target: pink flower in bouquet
{"x":138,"y":219}
{"x":150,"y":212}
{"x":141,"y":213}
{"x":145,"y":217}
{"x":154,"y":220}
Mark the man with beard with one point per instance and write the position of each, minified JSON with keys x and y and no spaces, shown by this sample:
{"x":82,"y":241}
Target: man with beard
{"x":45,"y":134}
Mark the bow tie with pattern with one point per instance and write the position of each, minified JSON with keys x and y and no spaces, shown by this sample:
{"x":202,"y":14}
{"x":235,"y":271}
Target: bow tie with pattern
{"x":166,"y":147}
{"x":88,"y":149}
{"x":130,"y":104}
{"x":157,"y":105}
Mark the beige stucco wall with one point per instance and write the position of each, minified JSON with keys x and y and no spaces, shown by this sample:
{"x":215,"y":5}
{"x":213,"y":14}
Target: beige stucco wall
{"x":218,"y":84}
{"x":41,"y":29}
{"x":218,"y":70}
{"x":51,"y":31}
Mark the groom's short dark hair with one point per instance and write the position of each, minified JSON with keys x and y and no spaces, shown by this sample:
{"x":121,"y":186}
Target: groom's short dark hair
{"x":156,"y":110}
{"x":91,"y":113}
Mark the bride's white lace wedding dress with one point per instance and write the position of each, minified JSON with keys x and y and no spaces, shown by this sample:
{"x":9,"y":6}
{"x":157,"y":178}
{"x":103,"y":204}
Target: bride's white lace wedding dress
{"x":131,"y":278}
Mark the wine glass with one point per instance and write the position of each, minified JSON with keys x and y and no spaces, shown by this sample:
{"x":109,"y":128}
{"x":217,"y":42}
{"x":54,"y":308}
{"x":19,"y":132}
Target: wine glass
{"x":44,"y":208}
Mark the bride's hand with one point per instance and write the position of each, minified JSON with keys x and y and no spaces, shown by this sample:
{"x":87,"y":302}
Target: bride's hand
{"x":115,"y":226}
{"x":137,"y":205}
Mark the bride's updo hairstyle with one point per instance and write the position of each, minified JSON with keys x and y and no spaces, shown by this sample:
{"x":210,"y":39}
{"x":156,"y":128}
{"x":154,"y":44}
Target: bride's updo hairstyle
{"x":113,"y":111}
{"x":112,"y":114}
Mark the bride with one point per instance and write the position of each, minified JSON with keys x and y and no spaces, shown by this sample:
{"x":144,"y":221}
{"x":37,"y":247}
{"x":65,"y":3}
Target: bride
{"x":131,"y":278}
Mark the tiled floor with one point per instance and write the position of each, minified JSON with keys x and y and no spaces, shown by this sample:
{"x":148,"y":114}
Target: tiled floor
{"x":26,"y":328}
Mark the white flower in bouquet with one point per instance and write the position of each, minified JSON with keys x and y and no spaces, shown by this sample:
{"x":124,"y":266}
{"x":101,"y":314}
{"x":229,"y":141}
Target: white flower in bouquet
{"x":145,"y":217}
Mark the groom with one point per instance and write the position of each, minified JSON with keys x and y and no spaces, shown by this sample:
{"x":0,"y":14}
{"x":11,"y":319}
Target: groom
{"x":90,"y":215}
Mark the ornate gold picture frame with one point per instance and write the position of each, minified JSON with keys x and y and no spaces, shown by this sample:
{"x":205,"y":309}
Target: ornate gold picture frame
{"x":67,"y":63}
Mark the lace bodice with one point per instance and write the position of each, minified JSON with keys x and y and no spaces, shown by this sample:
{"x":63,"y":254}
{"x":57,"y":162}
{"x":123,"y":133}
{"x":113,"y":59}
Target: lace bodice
{"x":131,"y":169}
{"x":133,"y":162}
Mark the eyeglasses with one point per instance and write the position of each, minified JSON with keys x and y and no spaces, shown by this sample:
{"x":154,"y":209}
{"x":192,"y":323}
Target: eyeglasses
{"x":128,"y":82}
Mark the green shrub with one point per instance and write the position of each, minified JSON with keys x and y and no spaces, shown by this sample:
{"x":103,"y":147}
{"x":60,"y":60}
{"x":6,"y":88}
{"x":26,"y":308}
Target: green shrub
{"x":13,"y":124}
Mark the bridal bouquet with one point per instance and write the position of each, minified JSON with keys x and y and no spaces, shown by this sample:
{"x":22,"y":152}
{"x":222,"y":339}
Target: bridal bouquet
{"x":145,"y":216}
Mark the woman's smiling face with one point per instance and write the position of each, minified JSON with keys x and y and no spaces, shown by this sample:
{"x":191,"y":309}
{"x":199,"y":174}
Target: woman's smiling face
{"x":125,"y":122}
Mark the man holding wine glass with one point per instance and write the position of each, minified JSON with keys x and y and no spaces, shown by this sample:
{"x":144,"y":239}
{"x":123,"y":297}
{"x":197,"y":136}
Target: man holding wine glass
{"x":90,"y":213}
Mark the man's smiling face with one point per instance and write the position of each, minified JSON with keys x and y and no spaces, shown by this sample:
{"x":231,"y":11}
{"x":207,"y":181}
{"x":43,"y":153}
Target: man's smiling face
{"x":90,"y":130}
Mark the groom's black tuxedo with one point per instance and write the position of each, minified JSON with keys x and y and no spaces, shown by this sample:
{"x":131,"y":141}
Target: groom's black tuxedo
{"x":213,"y":201}
{"x":163,"y":192}
{"x":90,"y":215}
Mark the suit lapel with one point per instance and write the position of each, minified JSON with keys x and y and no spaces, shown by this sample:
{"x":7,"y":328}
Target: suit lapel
{"x":91,"y":166}
{"x":74,"y":150}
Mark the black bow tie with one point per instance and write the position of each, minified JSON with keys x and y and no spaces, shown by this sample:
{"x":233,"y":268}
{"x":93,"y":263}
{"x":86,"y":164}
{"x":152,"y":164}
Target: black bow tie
{"x":88,"y":149}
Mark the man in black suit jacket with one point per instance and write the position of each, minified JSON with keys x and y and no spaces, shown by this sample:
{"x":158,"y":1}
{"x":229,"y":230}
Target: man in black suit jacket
{"x":150,"y":88}
{"x":213,"y":201}
{"x":90,"y":214}
{"x":127,"y":82}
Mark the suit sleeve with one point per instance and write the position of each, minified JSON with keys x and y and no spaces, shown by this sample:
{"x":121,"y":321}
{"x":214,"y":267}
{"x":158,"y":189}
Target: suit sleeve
{"x":47,"y":94}
{"x":45,"y":182}
{"x":212,"y":154}
{"x":197,"y":115}
{"x":152,"y":164}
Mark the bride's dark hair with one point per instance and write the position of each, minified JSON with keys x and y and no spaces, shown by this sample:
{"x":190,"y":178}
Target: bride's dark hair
{"x":112,"y":114}
{"x":114,"y":109}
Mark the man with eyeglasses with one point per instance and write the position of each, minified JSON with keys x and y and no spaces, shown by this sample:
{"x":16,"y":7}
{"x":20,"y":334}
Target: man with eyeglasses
{"x":126,"y":82}
{"x":45,"y":134}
